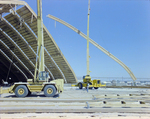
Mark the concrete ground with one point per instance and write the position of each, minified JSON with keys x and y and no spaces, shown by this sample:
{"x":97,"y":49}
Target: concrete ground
{"x":76,"y":93}
{"x":73,"y":101}
{"x":74,"y":116}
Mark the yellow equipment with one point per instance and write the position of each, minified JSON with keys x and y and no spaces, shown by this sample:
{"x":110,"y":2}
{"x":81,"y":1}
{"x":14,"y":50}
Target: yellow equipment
{"x":88,"y":83}
{"x":40,"y":82}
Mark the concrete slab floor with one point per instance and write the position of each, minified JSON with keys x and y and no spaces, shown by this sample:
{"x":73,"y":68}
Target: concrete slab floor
{"x":74,"y":116}
{"x":73,"y":93}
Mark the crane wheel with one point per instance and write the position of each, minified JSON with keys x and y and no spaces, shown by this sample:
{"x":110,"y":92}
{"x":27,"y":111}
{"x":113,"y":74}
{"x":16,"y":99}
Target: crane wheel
{"x":95,"y":87}
{"x":80,"y":85}
{"x":49,"y":91}
{"x":21,"y":91}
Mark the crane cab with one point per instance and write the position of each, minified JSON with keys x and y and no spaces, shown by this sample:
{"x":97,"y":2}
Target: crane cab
{"x":43,"y":76}
{"x":86,"y":79}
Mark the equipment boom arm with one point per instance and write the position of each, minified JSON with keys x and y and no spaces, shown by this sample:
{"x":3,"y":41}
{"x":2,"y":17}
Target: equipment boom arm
{"x":95,"y":44}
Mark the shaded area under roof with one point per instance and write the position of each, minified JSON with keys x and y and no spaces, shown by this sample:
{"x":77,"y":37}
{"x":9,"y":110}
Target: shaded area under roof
{"x":18,"y":45}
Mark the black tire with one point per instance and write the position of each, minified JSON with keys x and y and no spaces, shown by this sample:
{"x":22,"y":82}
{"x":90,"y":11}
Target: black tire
{"x":80,"y":85}
{"x":29,"y":93}
{"x":21,"y":91}
{"x":95,"y":87}
{"x":49,"y":91}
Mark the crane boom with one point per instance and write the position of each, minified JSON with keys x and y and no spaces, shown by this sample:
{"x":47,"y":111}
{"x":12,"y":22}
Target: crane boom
{"x":40,"y":42}
{"x":95,"y":44}
{"x":40,"y":36}
{"x":88,"y":70}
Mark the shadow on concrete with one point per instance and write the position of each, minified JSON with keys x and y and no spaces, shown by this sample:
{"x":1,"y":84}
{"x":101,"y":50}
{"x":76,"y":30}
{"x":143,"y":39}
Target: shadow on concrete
{"x":84,"y":89}
{"x":32,"y":95}
{"x":10,"y":96}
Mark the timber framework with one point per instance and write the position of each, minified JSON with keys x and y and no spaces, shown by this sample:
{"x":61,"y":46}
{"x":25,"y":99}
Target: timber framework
{"x":18,"y":45}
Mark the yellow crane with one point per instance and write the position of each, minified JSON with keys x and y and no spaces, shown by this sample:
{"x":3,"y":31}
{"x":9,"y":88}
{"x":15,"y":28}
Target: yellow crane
{"x":87,"y":82}
{"x":41,"y":81}
{"x":96,"y":45}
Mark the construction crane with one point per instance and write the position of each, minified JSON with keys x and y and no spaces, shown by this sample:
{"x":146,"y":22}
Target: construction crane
{"x":96,"y":45}
{"x":41,"y":81}
{"x":87,"y":82}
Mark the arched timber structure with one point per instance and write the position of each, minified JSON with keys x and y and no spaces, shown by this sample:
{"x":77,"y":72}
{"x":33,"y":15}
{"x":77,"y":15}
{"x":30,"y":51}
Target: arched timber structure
{"x":18,"y":45}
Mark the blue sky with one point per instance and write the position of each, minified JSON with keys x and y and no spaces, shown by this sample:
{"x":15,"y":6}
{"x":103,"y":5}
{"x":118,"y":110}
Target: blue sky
{"x":120,"y":26}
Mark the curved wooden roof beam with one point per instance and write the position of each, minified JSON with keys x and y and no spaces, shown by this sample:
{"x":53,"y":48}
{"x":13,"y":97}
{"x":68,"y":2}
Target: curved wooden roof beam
{"x":13,"y":63}
{"x":13,"y":54}
{"x":24,"y":55}
{"x":95,"y":44}
{"x":31,"y":35}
